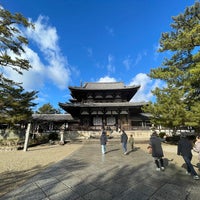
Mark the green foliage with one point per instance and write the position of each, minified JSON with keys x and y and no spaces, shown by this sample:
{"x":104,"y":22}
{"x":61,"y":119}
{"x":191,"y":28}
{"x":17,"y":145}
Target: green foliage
{"x":15,"y":103}
{"x":48,"y":109}
{"x":53,"y":136}
{"x":12,"y":40}
{"x":177,"y":103}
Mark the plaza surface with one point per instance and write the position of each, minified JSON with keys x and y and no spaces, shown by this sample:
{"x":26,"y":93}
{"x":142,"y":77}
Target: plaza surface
{"x":87,"y":174}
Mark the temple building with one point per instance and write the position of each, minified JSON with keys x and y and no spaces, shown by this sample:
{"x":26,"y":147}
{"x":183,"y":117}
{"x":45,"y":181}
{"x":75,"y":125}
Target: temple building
{"x":96,"y":105}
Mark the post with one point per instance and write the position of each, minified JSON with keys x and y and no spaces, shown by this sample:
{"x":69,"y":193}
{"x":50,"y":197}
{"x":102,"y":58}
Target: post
{"x":62,"y":130}
{"x":27,"y":137}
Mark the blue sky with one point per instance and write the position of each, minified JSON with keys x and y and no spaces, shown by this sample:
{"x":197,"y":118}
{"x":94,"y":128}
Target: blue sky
{"x":78,"y":41}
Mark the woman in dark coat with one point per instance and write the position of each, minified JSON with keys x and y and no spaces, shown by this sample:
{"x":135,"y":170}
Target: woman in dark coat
{"x":157,"y":151}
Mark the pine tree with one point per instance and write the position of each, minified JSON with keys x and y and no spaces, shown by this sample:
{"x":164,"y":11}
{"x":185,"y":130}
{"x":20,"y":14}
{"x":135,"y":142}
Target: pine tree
{"x":48,"y":109}
{"x":177,"y":101}
{"x":15,"y":103}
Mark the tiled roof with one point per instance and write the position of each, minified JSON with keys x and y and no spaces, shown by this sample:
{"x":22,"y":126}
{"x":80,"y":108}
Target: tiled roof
{"x":113,"y":104}
{"x":101,"y":85}
{"x":52,"y":117}
{"x":104,"y":86}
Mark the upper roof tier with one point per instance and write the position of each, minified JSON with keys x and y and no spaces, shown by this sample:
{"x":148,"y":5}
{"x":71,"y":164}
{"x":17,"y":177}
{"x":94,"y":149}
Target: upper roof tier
{"x":103,"y":91}
{"x":103,"y":86}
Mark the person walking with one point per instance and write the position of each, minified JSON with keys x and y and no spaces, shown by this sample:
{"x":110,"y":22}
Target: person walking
{"x":196,"y":147}
{"x":131,"y":142}
{"x":124,"y":139}
{"x":155,"y":143}
{"x":185,"y":150}
{"x":103,"y":141}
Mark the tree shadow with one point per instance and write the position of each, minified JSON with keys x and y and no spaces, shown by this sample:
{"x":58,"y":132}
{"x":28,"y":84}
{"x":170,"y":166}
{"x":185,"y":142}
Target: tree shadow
{"x":84,"y":176}
{"x":11,"y":180}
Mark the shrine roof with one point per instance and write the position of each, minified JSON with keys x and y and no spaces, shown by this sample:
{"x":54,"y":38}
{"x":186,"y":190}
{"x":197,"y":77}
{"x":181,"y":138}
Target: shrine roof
{"x":104,"y":86}
{"x":52,"y":117}
{"x":107,"y":104}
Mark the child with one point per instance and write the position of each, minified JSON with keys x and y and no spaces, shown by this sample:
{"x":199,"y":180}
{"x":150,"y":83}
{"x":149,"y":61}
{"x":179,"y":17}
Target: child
{"x":131,"y":141}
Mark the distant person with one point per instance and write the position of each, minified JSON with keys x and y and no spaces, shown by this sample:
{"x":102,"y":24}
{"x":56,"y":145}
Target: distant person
{"x":196,"y":147}
{"x":155,"y":143}
{"x":124,"y":139}
{"x":184,"y":149}
{"x":103,"y":141}
{"x":131,"y":142}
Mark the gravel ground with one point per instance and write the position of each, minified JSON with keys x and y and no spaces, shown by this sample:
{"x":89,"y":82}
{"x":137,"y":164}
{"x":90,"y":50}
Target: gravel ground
{"x":18,"y":166}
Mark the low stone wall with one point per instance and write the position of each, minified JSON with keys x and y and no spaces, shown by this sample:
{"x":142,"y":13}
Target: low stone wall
{"x":140,"y":134}
{"x":84,"y":135}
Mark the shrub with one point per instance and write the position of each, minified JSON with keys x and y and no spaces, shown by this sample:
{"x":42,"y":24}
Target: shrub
{"x":53,"y":136}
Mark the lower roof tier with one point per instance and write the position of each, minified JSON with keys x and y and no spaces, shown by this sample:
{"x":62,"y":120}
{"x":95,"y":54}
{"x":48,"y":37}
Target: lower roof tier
{"x":77,"y":109}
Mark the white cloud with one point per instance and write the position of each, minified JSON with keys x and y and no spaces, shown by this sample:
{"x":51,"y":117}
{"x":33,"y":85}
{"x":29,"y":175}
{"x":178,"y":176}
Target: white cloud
{"x":110,"y":66}
{"x":32,"y":79}
{"x":56,"y":68}
{"x":138,"y":59}
{"x":106,"y":79}
{"x":127,"y":62}
{"x":146,"y":86}
{"x":44,"y":35}
{"x":48,"y":64}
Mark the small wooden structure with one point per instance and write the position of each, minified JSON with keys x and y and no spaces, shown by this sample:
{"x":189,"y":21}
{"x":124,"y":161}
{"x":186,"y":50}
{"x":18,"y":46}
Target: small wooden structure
{"x":51,"y":122}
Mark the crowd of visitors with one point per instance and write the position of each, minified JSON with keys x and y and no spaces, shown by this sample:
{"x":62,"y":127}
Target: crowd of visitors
{"x":184,"y":149}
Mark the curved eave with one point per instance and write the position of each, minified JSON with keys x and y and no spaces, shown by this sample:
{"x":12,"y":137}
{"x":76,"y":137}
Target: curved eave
{"x":100,"y":105}
{"x":52,"y":117}
{"x":127,"y":88}
{"x":127,"y":93}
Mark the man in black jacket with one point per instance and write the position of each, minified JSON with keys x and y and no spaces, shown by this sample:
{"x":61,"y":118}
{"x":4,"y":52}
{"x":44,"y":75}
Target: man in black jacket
{"x":184,"y":149}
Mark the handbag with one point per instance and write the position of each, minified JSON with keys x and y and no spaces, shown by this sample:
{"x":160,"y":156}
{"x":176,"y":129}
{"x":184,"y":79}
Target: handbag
{"x":149,"y":149}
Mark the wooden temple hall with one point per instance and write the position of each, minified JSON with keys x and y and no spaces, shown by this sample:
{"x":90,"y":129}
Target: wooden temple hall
{"x":96,"y":105}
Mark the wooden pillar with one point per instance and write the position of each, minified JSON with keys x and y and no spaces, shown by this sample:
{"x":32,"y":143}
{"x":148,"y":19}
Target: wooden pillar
{"x":27,"y":137}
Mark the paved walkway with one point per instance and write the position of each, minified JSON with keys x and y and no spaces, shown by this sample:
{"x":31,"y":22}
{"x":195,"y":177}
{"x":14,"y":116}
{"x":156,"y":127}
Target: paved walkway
{"x":86,"y":174}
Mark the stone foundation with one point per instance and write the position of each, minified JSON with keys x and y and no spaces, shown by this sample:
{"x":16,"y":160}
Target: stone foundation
{"x":84,"y":135}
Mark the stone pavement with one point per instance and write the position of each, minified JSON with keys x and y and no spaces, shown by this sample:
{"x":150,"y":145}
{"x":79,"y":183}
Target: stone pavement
{"x":87,"y":174}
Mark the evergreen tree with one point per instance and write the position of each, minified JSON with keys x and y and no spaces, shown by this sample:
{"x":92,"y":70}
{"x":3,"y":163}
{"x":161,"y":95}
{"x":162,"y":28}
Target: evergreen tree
{"x":16,"y":106}
{"x":48,"y":109}
{"x":177,"y":101}
{"x":12,"y":40}
{"x":15,"y":103}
